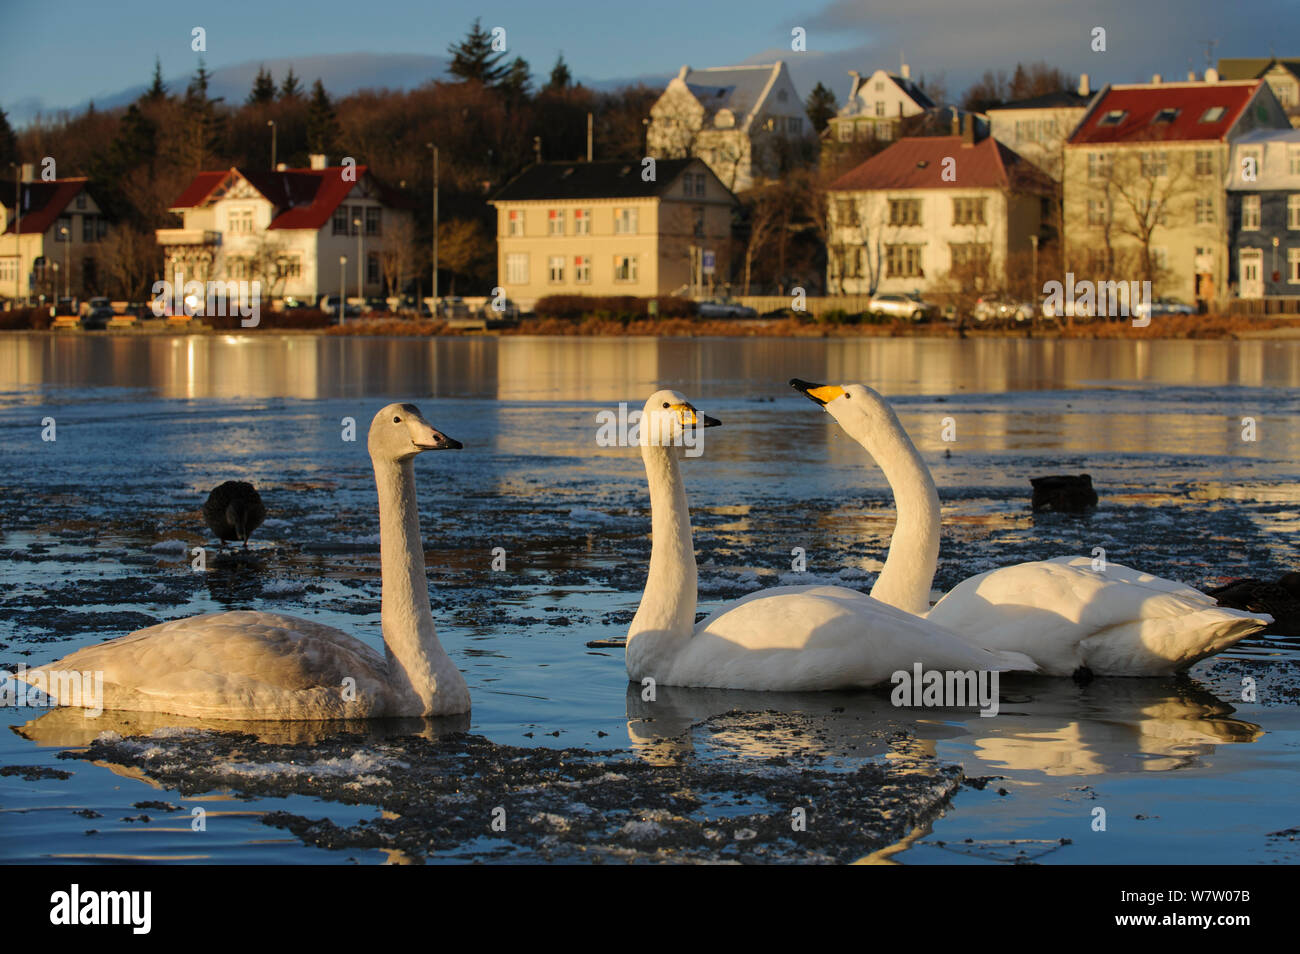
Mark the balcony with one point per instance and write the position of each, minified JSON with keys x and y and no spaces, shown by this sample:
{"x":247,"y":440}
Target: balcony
{"x":188,"y":237}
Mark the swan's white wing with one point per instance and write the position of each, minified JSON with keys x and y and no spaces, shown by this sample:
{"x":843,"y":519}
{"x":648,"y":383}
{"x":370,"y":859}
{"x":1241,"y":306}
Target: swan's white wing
{"x":236,"y":665}
{"x":1064,"y":615}
{"x":816,"y":638}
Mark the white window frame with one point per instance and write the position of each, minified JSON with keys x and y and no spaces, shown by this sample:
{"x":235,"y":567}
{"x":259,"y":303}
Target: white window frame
{"x":1250,"y":213}
{"x":1293,"y":210}
{"x":625,"y":221}
{"x":582,"y":269}
{"x":625,"y":265}
{"x":514,"y":223}
{"x":517,"y":268}
{"x":555,"y":270}
{"x":554,"y":221}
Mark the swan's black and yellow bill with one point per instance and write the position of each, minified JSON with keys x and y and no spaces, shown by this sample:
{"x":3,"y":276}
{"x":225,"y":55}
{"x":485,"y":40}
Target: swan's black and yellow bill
{"x":691,"y":417}
{"x":441,"y":442}
{"x":823,"y":394}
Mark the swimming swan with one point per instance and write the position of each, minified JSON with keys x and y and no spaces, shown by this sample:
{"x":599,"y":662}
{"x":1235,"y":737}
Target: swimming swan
{"x":248,"y":665}
{"x":788,"y":638}
{"x":1063,"y":613}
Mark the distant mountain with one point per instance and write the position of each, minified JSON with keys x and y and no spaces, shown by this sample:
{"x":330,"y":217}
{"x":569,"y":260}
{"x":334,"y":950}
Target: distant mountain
{"x":342,"y":73}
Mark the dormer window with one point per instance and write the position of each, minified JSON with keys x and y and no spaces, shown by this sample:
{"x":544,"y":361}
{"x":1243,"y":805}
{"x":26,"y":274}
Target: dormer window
{"x":1166,"y":115}
{"x":1213,"y":114}
{"x":1113,"y":118}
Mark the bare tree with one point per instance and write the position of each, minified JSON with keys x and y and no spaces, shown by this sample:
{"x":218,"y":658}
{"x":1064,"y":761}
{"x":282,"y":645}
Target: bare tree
{"x":397,"y":253}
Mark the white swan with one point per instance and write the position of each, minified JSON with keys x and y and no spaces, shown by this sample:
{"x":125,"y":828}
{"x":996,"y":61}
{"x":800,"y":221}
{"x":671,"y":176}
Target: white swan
{"x":788,"y":638}
{"x":248,"y":665}
{"x":1062,"y":613}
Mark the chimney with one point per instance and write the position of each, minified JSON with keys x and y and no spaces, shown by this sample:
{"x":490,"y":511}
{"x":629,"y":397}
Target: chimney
{"x":1211,"y":75}
{"x":905,"y":71}
{"x":968,"y":130}
{"x":1083,"y":85}
{"x":1155,"y":79}
{"x":856,"y":84}
{"x":318,"y":160}
{"x":29,"y":172}
{"x":1191,"y":76}
{"x":681,"y":74}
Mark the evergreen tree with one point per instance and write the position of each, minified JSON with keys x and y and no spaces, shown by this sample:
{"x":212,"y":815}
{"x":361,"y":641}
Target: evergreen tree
{"x":821,"y":106}
{"x":8,"y":142}
{"x":322,"y":122}
{"x":263,"y":88}
{"x":518,"y":82}
{"x":157,"y":92}
{"x":561,"y":79}
{"x":205,"y":126}
{"x":290,"y":88}
{"x":473,"y":59}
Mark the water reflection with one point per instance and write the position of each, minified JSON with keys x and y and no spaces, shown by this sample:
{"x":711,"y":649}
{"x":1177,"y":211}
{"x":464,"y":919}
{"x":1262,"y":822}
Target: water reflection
{"x":1051,"y":727}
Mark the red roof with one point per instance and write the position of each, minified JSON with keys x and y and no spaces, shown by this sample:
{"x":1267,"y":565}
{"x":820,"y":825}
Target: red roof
{"x":918,"y":163}
{"x":303,"y":198}
{"x":43,"y":202}
{"x":1168,"y":112}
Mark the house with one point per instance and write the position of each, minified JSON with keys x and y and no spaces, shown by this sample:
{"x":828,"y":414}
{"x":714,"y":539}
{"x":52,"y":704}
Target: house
{"x":875,"y":108}
{"x":1264,"y":214}
{"x":1283,"y":76}
{"x":56,"y":248}
{"x":933,"y":209}
{"x":1038,"y":127}
{"x":1145,"y":172}
{"x":747,"y":123}
{"x":302,"y":233}
{"x":604,"y":228}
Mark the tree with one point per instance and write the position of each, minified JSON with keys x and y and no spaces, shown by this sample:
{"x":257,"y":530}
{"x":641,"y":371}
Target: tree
{"x":157,"y":92}
{"x":131,"y":257}
{"x":290,"y":87}
{"x":822,"y":107}
{"x":8,"y":142}
{"x":322,"y":122}
{"x":397,"y":253}
{"x":464,"y":248}
{"x":764,"y":214}
{"x":204,"y":125}
{"x":474,"y":60}
{"x":518,"y":82}
{"x":263,"y":88}
{"x":561,"y":78}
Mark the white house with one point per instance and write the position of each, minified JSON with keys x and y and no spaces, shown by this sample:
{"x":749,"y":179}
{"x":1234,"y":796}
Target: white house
{"x":877,"y":105}
{"x":746,"y":122}
{"x":1037,"y":128}
{"x":303,"y":233}
{"x":57,"y":248}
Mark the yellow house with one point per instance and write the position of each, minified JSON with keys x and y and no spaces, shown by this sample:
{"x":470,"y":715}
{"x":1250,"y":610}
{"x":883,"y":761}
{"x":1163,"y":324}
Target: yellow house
{"x":612,"y":228}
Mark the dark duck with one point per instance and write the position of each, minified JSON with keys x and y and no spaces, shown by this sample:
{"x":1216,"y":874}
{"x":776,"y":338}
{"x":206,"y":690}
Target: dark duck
{"x":1070,"y":493}
{"x":234,"y":510}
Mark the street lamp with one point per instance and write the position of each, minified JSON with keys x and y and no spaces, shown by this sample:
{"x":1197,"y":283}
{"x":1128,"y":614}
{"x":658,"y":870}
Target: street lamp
{"x":271,"y":123}
{"x":434,"y":149}
{"x":18,"y":227}
{"x":343,"y":286}
{"x":67,"y":272}
{"x":361,"y":288}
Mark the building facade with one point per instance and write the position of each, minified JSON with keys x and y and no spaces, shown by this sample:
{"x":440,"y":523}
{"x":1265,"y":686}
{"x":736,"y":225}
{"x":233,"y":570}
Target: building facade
{"x":747,"y":123}
{"x":1038,"y":128}
{"x":57,"y":247}
{"x":875,"y":107}
{"x":1264,"y":214}
{"x":603,"y":228}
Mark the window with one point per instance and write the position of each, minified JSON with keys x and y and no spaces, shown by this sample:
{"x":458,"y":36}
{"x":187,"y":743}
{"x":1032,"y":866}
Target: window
{"x":1256,"y":160}
{"x":372,"y":268}
{"x":851,"y":257}
{"x":358,"y":217}
{"x":240,"y":222}
{"x":1293,"y":210}
{"x":88,"y":228}
{"x":555,"y":269}
{"x":374,"y":219}
{"x":1166,"y":115}
{"x":903,"y":261}
{"x":289,"y":267}
{"x":340,"y":221}
{"x":625,"y":221}
{"x":1160,"y":257}
{"x":846,"y":212}
{"x":63,"y":229}
{"x":968,"y":211}
{"x":883,"y":131}
{"x":1153,"y":211}
{"x":8,"y":269}
{"x":81,"y":200}
{"x":237,"y":268}
{"x":701,"y":184}
{"x":1293,"y":266}
{"x":1295,"y":160}
{"x":1213,"y":114}
{"x":1204,"y":162}
{"x":1097,"y":212}
{"x":581,"y":269}
{"x":1112,"y":118}
{"x":555,"y":222}
{"x":1155,"y":164}
{"x":1205,"y":211}
{"x":969,"y":253}
{"x":624,"y":268}
{"x":515,"y":222}
{"x":794,"y":125}
{"x":880,"y":107}
{"x":1250,"y":213}
{"x":582,"y":221}
{"x":844,"y":131}
{"x":904,"y":211}
{"x":517,"y":268}
{"x":1099,"y":165}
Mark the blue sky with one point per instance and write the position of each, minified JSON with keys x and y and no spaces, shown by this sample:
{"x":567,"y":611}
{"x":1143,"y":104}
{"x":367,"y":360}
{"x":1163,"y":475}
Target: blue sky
{"x":59,"y":53}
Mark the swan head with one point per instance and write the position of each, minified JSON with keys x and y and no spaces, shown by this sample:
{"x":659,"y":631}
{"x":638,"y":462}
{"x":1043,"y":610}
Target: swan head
{"x":863,"y":413}
{"x":668,"y":419}
{"x":399,"y":432}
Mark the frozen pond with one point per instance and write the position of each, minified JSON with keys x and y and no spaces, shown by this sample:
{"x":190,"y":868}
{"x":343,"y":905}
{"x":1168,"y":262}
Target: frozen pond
{"x":94,"y":528}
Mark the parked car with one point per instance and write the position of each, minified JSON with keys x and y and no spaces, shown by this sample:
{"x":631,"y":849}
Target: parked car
{"x":376,"y":305}
{"x":98,"y":315}
{"x":1162,"y":306}
{"x":900,"y":305}
{"x":509,"y":311}
{"x":330,"y":305}
{"x":1001,"y":309}
{"x":722,"y":307}
{"x":1070,"y":309}
{"x":452,"y":306}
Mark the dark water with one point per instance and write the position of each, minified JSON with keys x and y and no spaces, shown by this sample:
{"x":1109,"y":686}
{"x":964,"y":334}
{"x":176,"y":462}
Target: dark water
{"x":94,"y":526}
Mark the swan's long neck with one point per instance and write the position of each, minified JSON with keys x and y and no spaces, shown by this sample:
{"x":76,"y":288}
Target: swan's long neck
{"x":666,"y":616}
{"x":914,"y":548}
{"x":417,"y":663}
